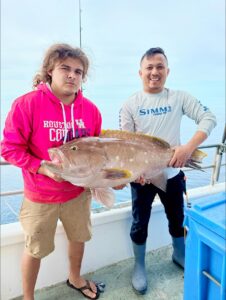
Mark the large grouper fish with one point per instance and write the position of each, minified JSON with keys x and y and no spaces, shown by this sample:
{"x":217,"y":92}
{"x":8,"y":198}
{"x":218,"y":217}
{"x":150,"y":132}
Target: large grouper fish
{"x":114,"y":158}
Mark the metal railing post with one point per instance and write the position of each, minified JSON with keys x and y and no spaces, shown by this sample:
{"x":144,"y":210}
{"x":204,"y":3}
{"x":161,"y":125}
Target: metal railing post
{"x":221,"y":148}
{"x":217,"y":163}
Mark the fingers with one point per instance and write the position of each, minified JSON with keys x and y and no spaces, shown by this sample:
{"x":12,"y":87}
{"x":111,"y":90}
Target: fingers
{"x":56,"y":178}
{"x":176,"y":163}
{"x":143,"y":181}
{"x":179,"y":158}
{"x":44,"y":171}
{"x":119,"y":187}
{"x":172,"y":162}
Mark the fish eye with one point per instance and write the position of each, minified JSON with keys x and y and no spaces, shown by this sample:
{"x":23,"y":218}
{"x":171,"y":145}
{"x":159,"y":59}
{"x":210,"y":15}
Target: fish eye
{"x":74,"y":148}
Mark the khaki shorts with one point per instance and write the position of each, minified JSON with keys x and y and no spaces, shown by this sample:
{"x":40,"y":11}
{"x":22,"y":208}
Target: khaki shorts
{"x":39,"y":222}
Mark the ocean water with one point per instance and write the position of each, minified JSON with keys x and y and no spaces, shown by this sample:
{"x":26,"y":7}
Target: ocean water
{"x":10,"y":205}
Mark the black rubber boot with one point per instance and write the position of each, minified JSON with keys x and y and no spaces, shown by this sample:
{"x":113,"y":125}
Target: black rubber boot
{"x":178,"y":251}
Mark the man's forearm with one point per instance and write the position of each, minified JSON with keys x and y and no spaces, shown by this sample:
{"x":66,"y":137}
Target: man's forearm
{"x":198,"y":138}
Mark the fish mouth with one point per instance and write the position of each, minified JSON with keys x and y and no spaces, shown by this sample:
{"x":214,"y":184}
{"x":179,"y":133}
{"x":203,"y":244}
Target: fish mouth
{"x":57,"y":157}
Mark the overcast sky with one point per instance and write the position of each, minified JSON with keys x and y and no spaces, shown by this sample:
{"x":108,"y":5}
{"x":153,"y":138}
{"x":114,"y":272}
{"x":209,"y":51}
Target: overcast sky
{"x":115,"y":34}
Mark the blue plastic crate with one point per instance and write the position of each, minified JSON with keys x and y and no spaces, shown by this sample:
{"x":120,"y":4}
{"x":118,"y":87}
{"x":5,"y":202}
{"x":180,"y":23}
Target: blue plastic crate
{"x":205,"y":259}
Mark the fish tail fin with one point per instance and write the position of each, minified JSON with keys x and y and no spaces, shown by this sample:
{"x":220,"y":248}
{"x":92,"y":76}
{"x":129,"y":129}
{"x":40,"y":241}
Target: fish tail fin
{"x":193,"y":165}
{"x":198,"y":155}
{"x":104,"y":196}
{"x":195,"y":160}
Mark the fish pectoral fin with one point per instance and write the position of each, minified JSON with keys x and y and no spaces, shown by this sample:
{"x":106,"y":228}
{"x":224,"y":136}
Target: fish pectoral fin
{"x":116,"y":173}
{"x":104,"y":196}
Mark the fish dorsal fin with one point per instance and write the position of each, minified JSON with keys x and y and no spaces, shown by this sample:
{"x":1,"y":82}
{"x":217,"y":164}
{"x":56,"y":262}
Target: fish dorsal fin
{"x":158,"y":141}
{"x":115,"y":173}
{"x":122,"y":134}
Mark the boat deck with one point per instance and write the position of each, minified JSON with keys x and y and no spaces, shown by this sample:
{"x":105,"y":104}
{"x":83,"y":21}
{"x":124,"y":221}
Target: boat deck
{"x":164,"y":277}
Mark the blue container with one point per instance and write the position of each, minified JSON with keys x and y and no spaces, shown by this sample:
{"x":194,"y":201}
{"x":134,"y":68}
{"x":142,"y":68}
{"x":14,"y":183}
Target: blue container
{"x":205,"y":258}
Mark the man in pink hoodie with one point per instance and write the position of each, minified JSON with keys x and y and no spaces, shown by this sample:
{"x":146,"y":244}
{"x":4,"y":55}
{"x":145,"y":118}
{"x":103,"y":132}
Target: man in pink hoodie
{"x":52,"y":114}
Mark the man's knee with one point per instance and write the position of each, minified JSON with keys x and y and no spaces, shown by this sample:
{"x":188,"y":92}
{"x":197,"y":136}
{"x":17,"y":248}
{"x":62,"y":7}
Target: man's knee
{"x":138,"y":236}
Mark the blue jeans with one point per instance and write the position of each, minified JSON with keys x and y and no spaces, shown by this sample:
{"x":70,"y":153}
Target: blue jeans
{"x":172,"y":199}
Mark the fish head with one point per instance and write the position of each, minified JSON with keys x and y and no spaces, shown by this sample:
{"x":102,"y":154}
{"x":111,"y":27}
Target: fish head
{"x":80,"y":157}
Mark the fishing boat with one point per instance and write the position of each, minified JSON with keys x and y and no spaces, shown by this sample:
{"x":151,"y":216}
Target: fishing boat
{"x":108,"y":255}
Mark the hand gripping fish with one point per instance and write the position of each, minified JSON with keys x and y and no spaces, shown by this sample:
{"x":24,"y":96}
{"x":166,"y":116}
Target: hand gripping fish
{"x":114,"y":158}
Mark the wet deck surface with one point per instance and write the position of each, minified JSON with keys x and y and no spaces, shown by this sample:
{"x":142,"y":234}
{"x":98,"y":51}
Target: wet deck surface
{"x":165,"y":281}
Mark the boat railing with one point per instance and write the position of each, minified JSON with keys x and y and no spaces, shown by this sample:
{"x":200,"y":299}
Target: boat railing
{"x":215,"y":166}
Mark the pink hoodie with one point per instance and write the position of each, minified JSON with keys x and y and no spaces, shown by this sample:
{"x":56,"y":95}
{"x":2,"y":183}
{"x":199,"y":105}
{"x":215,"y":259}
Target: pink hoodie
{"x":37,"y":122}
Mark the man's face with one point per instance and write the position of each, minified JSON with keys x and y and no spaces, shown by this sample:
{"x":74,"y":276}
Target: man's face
{"x":153,"y":72}
{"x":66,"y":78}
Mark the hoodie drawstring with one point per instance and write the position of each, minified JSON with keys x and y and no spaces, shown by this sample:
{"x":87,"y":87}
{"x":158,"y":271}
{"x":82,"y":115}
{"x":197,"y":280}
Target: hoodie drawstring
{"x":65,"y":121}
{"x":72,"y":120}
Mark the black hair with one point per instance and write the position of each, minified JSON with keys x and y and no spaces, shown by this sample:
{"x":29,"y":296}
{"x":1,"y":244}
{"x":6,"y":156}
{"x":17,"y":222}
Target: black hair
{"x":153,"y":51}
